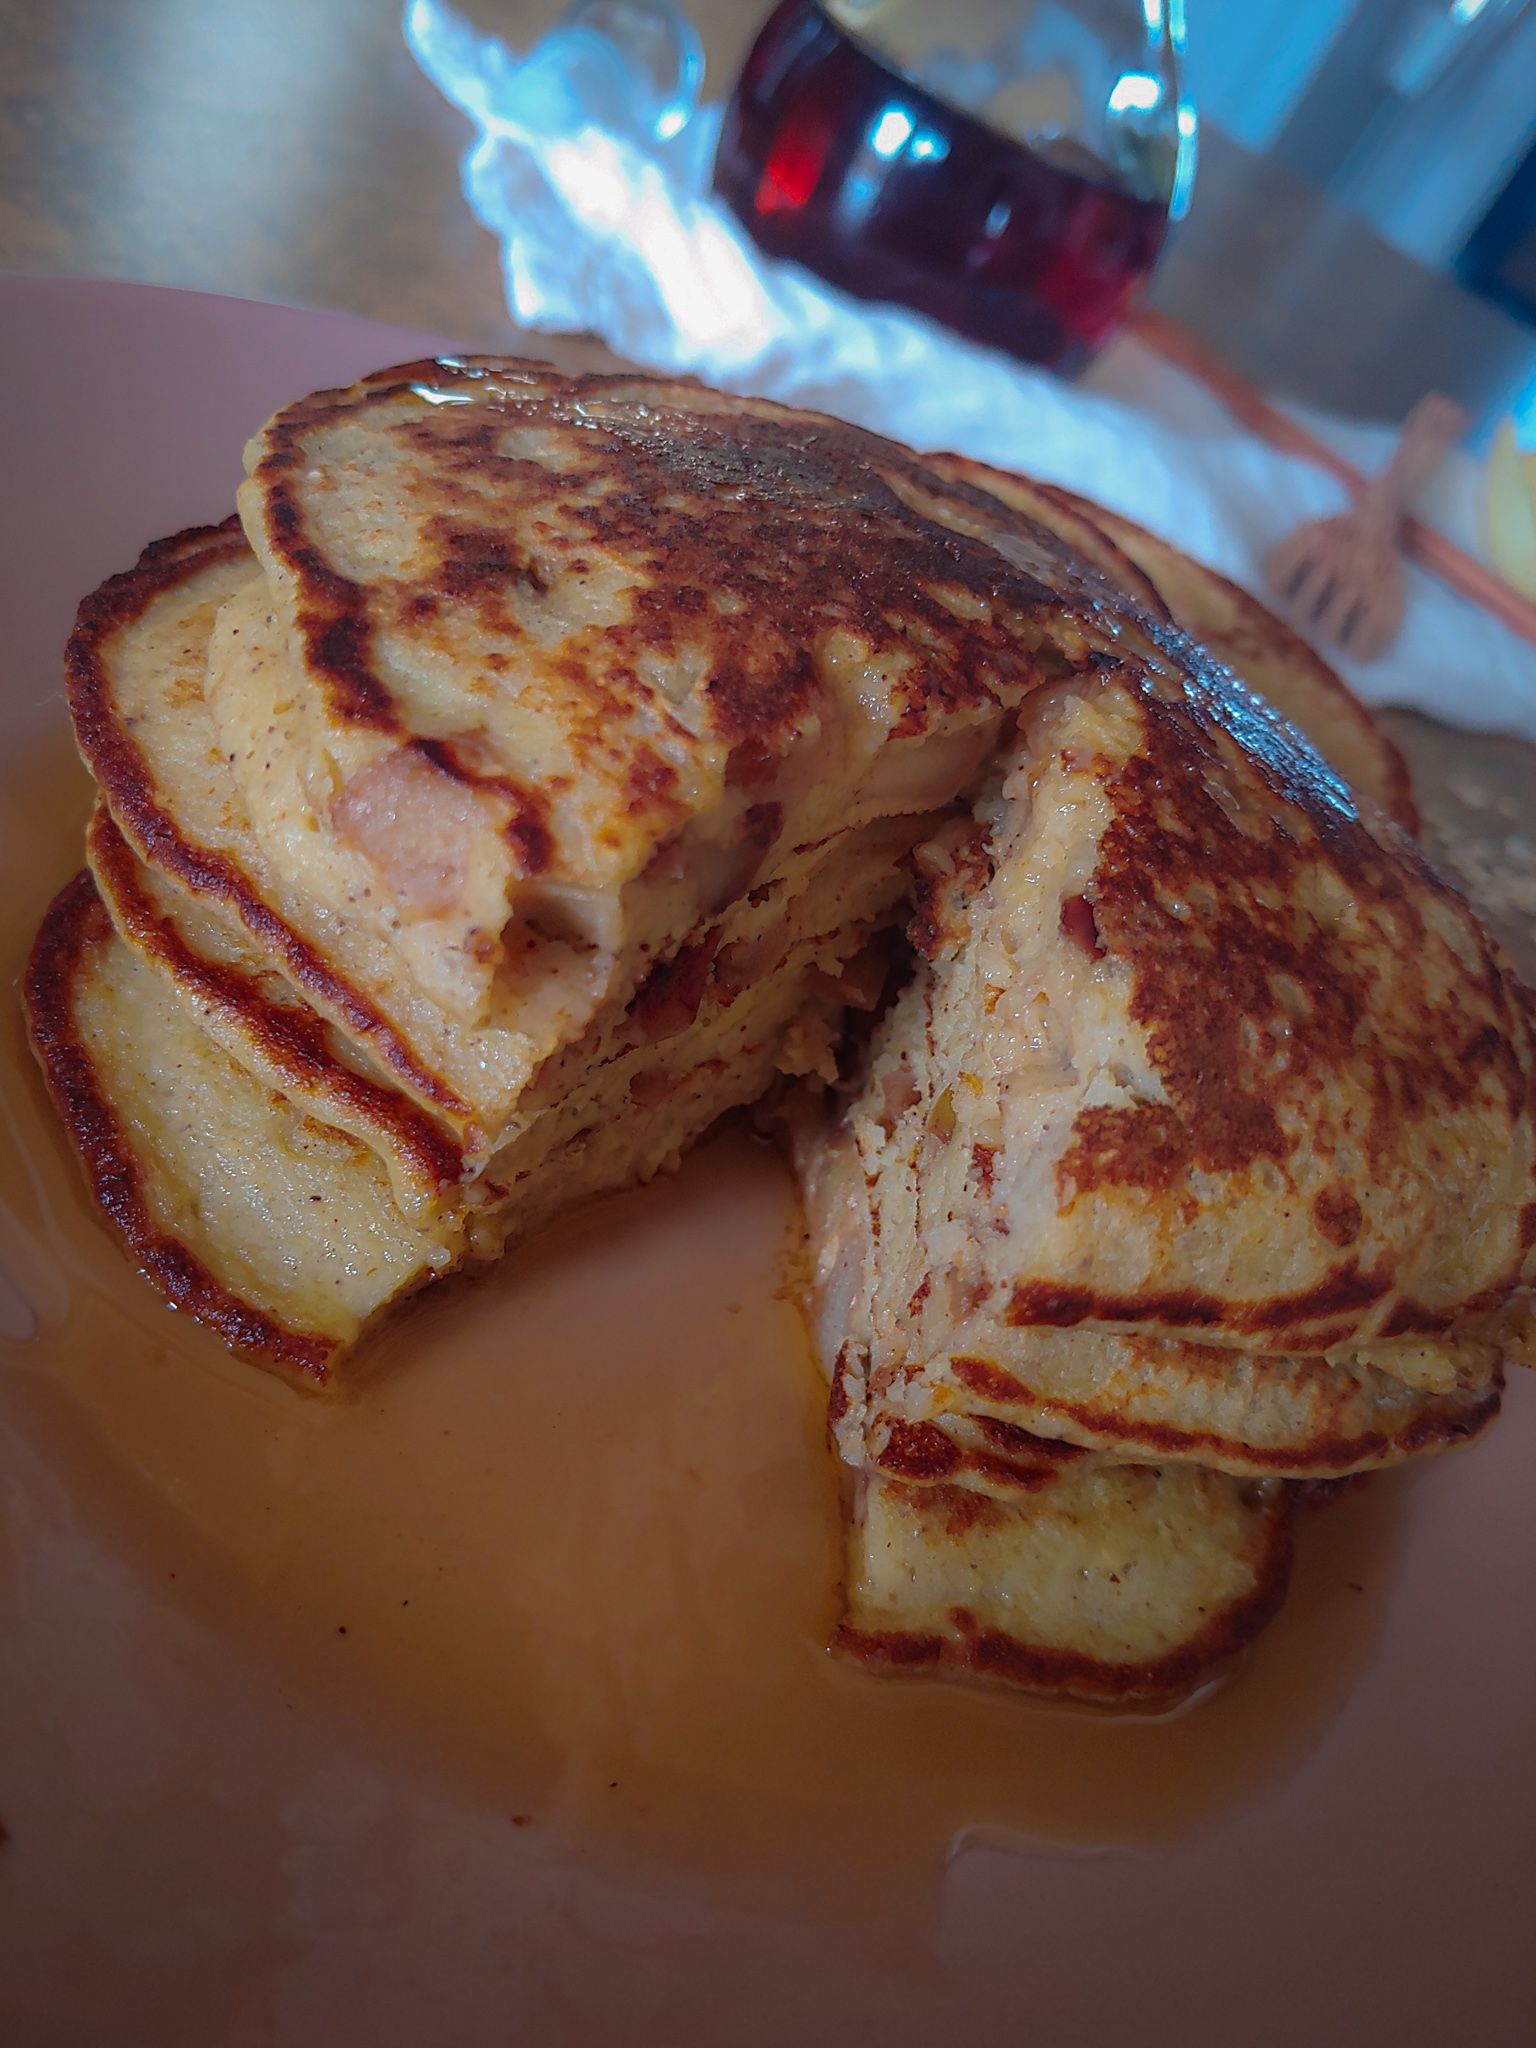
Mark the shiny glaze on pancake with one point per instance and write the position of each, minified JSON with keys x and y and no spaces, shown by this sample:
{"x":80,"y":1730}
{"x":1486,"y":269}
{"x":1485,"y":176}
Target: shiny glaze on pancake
{"x":1269,"y":655}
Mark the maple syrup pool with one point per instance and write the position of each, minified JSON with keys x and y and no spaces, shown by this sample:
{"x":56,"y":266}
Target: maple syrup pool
{"x":572,"y":1552}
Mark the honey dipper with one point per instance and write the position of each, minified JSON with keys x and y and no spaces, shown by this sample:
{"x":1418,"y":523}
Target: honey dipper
{"x":1341,"y":577}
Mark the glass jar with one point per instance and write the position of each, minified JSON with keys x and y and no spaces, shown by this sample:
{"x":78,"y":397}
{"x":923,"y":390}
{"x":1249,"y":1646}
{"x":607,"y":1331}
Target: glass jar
{"x":1008,"y":167}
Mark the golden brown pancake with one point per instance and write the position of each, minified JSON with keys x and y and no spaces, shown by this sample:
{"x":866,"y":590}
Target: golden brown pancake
{"x":1199,"y":1064}
{"x":762,"y":992}
{"x":474,"y":816}
{"x":1203,"y":1131}
{"x":1200,"y":1052}
{"x":1109,"y":1582}
{"x":262,"y":1023}
{"x":542,"y":677}
{"x":279,"y":1232}
{"x":137,"y":658}
{"x":143,"y":691}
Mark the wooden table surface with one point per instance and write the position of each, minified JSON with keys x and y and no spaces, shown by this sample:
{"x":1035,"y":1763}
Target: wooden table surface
{"x":291,"y":149}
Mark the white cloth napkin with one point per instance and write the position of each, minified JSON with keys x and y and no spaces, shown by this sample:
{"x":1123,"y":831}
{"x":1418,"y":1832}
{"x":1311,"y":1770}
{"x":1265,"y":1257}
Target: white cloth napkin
{"x":608,"y":228}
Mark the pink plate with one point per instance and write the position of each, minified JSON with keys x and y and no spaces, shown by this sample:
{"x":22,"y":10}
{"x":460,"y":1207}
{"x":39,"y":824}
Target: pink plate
{"x":193,"y":1861}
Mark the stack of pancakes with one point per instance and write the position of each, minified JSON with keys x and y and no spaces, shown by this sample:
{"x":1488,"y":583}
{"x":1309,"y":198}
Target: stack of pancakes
{"x":538,"y":768}
{"x":1196,"y":1157}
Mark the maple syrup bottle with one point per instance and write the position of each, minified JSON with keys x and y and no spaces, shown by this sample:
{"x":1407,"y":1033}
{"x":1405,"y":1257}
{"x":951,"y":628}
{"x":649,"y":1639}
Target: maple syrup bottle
{"x":1008,"y":169}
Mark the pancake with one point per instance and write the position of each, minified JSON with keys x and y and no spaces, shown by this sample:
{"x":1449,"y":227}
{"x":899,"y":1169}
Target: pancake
{"x":279,"y":1232}
{"x":137,"y":659}
{"x":1195,"y":1159}
{"x":243,"y":1051}
{"x":1261,"y":649}
{"x":1199,"y":1052}
{"x":540,"y":677}
{"x":1114,"y":1178}
{"x":985,"y":1409}
{"x":261,"y":1022}
{"x":1110,"y":1583}
{"x":810,"y":648}
{"x":617,"y":1108}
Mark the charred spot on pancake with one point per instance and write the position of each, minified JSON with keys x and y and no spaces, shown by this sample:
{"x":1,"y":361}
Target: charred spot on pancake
{"x":477,"y":562}
{"x":1328,"y":1444}
{"x":1062,"y":1305}
{"x":838,"y":1400}
{"x":648,"y":778}
{"x":1057,"y":1304}
{"x":1022,"y":1443}
{"x":117,"y":761}
{"x":332,"y":615}
{"x":668,"y":999}
{"x":949,"y":872}
{"x":983,"y":1164}
{"x":919,"y":1450}
{"x":1018,"y":1476}
{"x":1337,"y":1215}
{"x":293,"y":1038}
{"x":899,"y":1648}
{"x":987,"y":1380}
{"x":1077,"y":921}
{"x":530,"y":839}
{"x":1410,"y":1318}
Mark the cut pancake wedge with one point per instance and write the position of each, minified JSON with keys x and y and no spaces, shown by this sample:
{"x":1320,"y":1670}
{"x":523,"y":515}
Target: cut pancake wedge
{"x":279,"y":1232}
{"x":1197,"y":1053}
{"x":1111,"y":1583}
{"x":1196,"y":1158}
{"x":543,"y":677}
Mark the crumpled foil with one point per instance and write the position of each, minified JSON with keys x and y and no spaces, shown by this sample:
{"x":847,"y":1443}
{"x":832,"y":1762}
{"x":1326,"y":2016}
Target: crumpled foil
{"x":597,"y":185}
